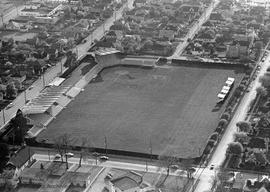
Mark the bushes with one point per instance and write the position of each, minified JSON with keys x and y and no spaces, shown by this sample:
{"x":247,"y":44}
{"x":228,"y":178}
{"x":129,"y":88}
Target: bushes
{"x":226,"y":116}
{"x":235,"y":148}
{"x":244,"y":126}
{"x":207,"y":150}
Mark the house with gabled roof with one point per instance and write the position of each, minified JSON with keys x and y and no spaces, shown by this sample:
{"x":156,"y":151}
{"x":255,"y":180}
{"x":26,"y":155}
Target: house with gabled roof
{"x":139,"y":3}
{"x":169,"y":31}
{"x":20,"y":159}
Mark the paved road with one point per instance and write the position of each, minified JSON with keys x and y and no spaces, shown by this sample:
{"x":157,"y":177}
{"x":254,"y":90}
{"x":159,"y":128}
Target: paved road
{"x":219,"y":155}
{"x":53,"y":72}
{"x":193,"y":30}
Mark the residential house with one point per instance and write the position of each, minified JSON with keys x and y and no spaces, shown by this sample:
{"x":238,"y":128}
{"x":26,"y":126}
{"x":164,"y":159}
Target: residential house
{"x":21,"y":159}
{"x":139,"y":3}
{"x":20,"y":25}
{"x":81,"y":26}
{"x":79,"y":178}
{"x":169,"y":8}
{"x":208,"y":24}
{"x":140,"y":14}
{"x":254,"y":26}
{"x":207,"y":36}
{"x":257,"y":144}
{"x":185,"y":8}
{"x":169,"y":31}
{"x":33,"y":176}
{"x":243,"y":40}
{"x":119,"y":29}
{"x":18,"y":77}
{"x":111,"y":36}
{"x":216,"y":17}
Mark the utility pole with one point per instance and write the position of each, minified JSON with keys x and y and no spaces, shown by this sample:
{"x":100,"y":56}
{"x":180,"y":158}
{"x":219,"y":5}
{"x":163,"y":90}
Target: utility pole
{"x":151,"y":151}
{"x":105,"y":142}
{"x":25,"y":96}
{"x":2,"y":17}
{"x":61,"y":66}
{"x":4,"y":119}
{"x":43,"y":79}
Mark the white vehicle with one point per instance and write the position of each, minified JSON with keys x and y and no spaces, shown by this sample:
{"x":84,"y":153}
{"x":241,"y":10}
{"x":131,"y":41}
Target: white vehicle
{"x":227,"y":88}
{"x":174,"y":167}
{"x":57,"y":156}
{"x":69,"y":154}
{"x":221,"y":96}
{"x":10,"y":105}
{"x":224,"y":91}
{"x":104,"y":158}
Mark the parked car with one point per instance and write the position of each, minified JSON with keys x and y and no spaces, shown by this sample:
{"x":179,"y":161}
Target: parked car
{"x":69,"y":154}
{"x":10,"y":106}
{"x":104,"y":158}
{"x":57,"y":156}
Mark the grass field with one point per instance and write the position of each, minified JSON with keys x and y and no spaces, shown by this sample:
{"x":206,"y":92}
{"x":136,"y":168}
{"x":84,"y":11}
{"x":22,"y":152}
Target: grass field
{"x":138,"y":109}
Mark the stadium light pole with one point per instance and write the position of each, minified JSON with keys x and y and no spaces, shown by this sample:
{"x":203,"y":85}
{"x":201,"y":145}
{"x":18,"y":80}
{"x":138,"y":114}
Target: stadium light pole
{"x":151,"y":151}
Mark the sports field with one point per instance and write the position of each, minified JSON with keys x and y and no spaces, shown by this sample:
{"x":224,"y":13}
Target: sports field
{"x":137,"y":109}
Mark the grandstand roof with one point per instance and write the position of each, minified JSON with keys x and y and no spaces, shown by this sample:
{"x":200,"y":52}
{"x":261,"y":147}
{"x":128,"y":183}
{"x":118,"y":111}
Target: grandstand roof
{"x":44,"y":100}
{"x":106,"y":51}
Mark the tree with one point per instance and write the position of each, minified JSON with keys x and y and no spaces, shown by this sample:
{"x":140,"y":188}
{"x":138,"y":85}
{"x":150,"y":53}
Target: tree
{"x":226,"y":116}
{"x":62,"y":144}
{"x":58,"y":145}
{"x":84,"y":153}
{"x":186,"y":165}
{"x":166,"y":160}
{"x":258,"y":45}
{"x":244,"y":126}
{"x":222,"y":177}
{"x":218,"y":129}
{"x":241,"y":137}
{"x":96,"y":155}
{"x":222,"y":123}
{"x":214,"y":136}
{"x":265,"y":81}
{"x":18,"y":85}
{"x":67,"y":141}
{"x":261,"y":91}
{"x":236,"y":94}
{"x":11,"y":91}
{"x":4,"y":151}
{"x":7,"y":176}
{"x":235,"y":148}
